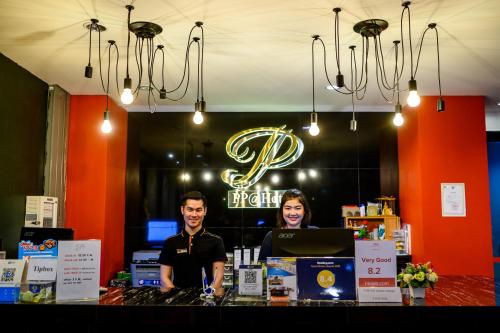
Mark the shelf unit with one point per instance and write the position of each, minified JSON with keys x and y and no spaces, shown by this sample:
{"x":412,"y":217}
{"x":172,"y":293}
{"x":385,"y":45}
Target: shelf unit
{"x":391,"y":223}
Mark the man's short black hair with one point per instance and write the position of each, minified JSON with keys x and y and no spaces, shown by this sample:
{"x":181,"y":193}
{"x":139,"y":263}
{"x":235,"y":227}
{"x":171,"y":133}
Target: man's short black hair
{"x":193,"y":195}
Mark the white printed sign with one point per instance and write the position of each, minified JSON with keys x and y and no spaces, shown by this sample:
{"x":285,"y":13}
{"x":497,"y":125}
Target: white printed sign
{"x":42,"y":269}
{"x":250,"y":280}
{"x":452,"y":199}
{"x":78,"y":269}
{"x":246,"y":256}
{"x":376,"y":271}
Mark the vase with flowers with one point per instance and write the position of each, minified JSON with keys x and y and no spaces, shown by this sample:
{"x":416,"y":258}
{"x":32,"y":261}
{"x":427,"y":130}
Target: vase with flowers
{"x":417,"y":277}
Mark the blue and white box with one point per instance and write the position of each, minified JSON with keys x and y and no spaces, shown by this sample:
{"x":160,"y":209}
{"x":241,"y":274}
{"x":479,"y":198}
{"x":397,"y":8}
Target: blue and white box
{"x":328,"y":278}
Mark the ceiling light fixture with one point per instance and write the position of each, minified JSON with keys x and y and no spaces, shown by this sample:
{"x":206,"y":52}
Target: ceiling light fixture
{"x":314,"y":129}
{"x":106,"y":124}
{"x":398,"y":119}
{"x":145,"y":54}
{"x":373,"y":28}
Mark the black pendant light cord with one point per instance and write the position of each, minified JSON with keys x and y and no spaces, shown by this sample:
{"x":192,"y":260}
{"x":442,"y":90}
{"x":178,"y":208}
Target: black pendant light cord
{"x":439,"y":63}
{"x":431,"y":26}
{"x":100,"y":68}
{"x":90,"y":42}
{"x":326,"y":71}
{"x":352,"y":82}
{"x":407,"y":8}
{"x":186,"y":63}
{"x":116,"y":67}
{"x":315,"y":38}
{"x":202,"y":59}
{"x":357,"y":164}
{"x":337,"y":39}
{"x":107,"y":83}
{"x":128,"y":37}
{"x":198,"y":69}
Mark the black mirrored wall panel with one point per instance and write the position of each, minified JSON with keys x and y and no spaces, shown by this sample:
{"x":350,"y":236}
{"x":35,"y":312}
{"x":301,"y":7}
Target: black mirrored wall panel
{"x":169,"y":155}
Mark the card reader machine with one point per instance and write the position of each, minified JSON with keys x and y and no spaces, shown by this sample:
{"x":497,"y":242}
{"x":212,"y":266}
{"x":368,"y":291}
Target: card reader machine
{"x":145,"y":268}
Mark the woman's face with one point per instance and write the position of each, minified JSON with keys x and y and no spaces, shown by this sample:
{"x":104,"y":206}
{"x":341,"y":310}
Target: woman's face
{"x":293,"y":212}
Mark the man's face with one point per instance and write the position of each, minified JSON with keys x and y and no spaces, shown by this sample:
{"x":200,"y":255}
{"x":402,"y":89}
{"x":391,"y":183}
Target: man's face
{"x":194,"y":212}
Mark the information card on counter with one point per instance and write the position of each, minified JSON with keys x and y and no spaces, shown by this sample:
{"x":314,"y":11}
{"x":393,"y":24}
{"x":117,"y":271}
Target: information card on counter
{"x":376,"y":271}
{"x":78,"y":269}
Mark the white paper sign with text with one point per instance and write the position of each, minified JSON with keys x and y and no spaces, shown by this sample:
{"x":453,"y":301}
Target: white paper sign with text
{"x":78,"y":269}
{"x":376,"y":271}
{"x":42,"y":269}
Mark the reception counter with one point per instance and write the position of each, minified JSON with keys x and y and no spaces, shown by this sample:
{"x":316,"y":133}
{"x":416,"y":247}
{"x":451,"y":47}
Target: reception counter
{"x":457,"y":302}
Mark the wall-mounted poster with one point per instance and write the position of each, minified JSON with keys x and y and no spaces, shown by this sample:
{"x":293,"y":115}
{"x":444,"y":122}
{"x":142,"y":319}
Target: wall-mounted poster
{"x":452,"y":199}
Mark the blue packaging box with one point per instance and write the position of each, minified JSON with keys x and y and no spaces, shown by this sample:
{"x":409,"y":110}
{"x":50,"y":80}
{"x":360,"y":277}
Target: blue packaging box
{"x":9,"y":294}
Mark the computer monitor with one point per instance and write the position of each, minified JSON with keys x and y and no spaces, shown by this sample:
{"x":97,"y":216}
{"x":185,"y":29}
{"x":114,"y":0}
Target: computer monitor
{"x":325,"y":242}
{"x":38,"y":235}
{"x":159,"y":230}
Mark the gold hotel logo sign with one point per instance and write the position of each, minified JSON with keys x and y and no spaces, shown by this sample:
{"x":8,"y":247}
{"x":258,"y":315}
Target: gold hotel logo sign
{"x":280,"y":141}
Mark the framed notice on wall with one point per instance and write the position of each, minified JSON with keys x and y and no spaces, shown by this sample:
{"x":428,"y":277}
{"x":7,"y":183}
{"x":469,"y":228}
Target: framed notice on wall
{"x":452,"y":199}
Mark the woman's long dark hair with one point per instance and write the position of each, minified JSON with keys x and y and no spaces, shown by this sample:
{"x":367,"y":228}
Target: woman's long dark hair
{"x":289,"y":195}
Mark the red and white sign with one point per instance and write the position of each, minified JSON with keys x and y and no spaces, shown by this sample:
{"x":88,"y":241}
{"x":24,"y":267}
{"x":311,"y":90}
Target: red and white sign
{"x":376,"y":271}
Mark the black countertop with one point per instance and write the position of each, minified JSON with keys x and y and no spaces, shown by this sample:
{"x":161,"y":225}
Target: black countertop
{"x":459,"y":302}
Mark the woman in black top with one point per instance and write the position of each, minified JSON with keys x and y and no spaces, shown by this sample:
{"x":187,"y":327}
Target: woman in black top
{"x":294,"y":213}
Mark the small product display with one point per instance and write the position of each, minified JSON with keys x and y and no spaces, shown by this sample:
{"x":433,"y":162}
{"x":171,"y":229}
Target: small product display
{"x":228,"y":271}
{"x":372,"y":209}
{"x":37,"y":292}
{"x":381,"y":231}
{"x":281,"y":279}
{"x":400,"y":240}
{"x":351,"y":210}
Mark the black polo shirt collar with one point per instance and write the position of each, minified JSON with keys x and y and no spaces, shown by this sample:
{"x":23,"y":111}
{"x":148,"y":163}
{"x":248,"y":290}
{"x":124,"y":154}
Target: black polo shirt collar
{"x":198,"y":234}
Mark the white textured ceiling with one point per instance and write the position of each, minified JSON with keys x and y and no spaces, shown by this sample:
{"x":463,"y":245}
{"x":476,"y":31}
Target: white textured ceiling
{"x":258,"y":53}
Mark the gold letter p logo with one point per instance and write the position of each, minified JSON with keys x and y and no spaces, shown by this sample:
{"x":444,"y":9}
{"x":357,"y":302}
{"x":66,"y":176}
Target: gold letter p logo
{"x":267,"y":158}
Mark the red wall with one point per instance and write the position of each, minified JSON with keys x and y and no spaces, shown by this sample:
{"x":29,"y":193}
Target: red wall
{"x":446,"y":147}
{"x":95,"y":193}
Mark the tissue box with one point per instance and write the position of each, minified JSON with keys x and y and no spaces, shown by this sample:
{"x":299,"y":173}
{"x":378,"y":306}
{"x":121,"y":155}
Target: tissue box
{"x":37,"y":292}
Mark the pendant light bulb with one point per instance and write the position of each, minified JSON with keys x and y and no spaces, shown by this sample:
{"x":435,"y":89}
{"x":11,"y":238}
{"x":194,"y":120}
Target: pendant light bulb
{"x":106,"y":124}
{"x":127,"y":97}
{"x":314,"y":129}
{"x":413,"y":99}
{"x":398,"y":119}
{"x":198,"y":118}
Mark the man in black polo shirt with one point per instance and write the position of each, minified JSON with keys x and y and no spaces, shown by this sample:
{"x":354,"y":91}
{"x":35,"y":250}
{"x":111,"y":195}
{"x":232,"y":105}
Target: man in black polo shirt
{"x":193,"y":249}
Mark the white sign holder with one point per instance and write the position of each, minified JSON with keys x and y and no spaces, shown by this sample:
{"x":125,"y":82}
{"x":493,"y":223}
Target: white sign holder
{"x":376,"y":272}
{"x":78,"y":269}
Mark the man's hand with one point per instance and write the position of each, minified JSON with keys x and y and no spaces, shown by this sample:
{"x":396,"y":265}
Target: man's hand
{"x":167,"y":288}
{"x":219,"y":291}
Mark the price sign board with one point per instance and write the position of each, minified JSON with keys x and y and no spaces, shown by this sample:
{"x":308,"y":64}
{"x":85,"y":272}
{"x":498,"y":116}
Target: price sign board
{"x":376,"y":268}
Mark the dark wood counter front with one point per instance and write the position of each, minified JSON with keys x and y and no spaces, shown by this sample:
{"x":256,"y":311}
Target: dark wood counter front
{"x":458,"y":302}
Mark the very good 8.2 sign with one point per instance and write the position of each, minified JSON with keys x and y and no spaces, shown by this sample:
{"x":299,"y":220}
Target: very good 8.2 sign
{"x":376,"y":263}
